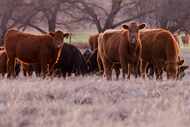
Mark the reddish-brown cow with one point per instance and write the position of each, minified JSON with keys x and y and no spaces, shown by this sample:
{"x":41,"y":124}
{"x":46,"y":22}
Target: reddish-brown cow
{"x":93,"y":41}
{"x":160,"y":48}
{"x":29,"y":48}
{"x":120,"y":46}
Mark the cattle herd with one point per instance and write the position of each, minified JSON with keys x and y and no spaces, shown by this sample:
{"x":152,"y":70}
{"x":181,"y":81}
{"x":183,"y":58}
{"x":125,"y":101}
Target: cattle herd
{"x":133,"y":49}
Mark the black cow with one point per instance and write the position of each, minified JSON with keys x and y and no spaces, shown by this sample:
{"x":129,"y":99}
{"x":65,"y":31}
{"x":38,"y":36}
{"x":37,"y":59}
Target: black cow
{"x":70,"y":61}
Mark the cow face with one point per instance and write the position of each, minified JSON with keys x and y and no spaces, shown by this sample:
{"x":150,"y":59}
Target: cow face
{"x":181,"y":71}
{"x":181,"y":68}
{"x":133,"y":29}
{"x":176,"y":70}
{"x":59,"y":37}
{"x":87,"y":53}
{"x":172,"y":70}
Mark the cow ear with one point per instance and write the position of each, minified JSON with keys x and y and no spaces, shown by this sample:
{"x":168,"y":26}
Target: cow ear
{"x":183,"y":68}
{"x":66,"y":35}
{"x":142,"y":26}
{"x":180,"y":62}
{"x":125,"y":27}
{"x":52,"y":34}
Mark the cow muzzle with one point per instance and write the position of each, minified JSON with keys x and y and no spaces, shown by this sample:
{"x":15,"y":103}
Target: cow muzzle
{"x":60,"y":45}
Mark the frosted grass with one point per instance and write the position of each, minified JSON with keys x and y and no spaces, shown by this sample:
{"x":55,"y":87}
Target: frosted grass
{"x":93,"y":101}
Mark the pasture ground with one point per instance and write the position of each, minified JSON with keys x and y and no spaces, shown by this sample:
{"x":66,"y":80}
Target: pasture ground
{"x":94,"y":102}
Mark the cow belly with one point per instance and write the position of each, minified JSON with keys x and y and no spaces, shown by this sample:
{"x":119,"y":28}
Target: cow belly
{"x":113,"y":56}
{"x":28,"y":56}
{"x":28,"y":60}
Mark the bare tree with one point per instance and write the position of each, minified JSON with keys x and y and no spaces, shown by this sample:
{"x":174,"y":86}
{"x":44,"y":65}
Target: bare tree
{"x":170,"y":14}
{"x":7,"y":9}
{"x":114,"y":14}
{"x":48,"y":15}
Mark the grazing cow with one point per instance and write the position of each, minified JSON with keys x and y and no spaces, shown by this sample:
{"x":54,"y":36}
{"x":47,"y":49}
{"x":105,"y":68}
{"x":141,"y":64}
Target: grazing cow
{"x":160,"y":48}
{"x":3,"y":62}
{"x":151,"y":70}
{"x":70,"y":61}
{"x":120,"y":46}
{"x":93,"y":41}
{"x":29,"y":48}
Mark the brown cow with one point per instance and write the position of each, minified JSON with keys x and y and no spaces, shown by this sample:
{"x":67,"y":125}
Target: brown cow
{"x":120,"y":46}
{"x":160,"y":48}
{"x":29,"y":48}
{"x":93,"y":41}
{"x":3,"y":62}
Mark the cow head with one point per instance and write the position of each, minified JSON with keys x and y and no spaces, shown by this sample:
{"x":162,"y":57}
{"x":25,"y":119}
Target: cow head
{"x":181,"y":69}
{"x":176,"y":70}
{"x":133,"y":29}
{"x":87,"y":53}
{"x":59,"y":37}
{"x":172,"y":69}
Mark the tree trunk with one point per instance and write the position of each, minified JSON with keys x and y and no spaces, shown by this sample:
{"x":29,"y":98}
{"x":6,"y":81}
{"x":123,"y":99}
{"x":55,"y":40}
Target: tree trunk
{"x":3,"y":26}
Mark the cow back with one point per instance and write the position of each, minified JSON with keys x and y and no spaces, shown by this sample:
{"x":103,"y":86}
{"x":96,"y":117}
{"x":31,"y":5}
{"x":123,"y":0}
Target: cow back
{"x":29,"y":47}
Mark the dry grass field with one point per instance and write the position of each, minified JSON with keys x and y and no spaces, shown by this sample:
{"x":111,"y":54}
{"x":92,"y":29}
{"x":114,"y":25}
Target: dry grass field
{"x":92,"y":101}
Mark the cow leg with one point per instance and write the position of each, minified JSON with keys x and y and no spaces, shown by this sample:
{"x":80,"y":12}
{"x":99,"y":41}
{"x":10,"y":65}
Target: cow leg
{"x":158,"y":73}
{"x":117,"y":71}
{"x":129,"y":71}
{"x":124,"y":70}
{"x":124,"y":67}
{"x":51,"y":68}
{"x":108,"y":72}
{"x":24,"y":72}
{"x":64,"y":74}
{"x":44,"y":70}
{"x":37,"y":70}
{"x":107,"y":69}
{"x":137,"y":69}
{"x":100,"y":66}
{"x":143,"y":70}
{"x":150,"y":70}
{"x":10,"y":67}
